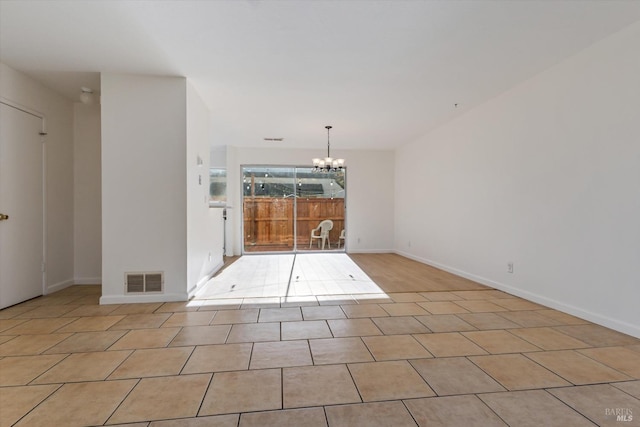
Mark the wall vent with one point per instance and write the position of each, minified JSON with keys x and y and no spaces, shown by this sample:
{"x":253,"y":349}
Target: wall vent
{"x":153,"y":282}
{"x":135,"y":283}
{"x":144,"y":282}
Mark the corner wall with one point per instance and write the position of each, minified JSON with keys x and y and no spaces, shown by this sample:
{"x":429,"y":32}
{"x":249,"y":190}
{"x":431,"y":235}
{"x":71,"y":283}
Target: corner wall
{"x":545,"y":176}
{"x":204,"y":225}
{"x":144,"y":201}
{"x":87,"y":209}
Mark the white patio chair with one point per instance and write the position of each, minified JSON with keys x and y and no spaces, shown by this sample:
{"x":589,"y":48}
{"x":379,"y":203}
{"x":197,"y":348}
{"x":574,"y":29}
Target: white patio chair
{"x":341,"y":238}
{"x":321,"y":232}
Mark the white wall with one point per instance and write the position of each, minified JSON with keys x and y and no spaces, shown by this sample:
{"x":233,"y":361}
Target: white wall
{"x":87,"y":208}
{"x":547,"y":176}
{"x":204,"y":225}
{"x":21,"y":89}
{"x":144,"y":197}
{"x":233,"y":227}
{"x":370,"y":198}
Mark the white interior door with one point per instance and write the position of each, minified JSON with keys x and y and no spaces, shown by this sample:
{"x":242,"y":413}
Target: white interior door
{"x":21,"y":198}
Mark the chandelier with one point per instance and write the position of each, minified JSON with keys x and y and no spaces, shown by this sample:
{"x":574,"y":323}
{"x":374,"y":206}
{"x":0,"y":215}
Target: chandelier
{"x":328,"y":164}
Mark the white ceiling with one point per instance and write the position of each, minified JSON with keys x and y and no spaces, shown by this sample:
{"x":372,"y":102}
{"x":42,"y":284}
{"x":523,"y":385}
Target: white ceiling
{"x":381,"y":72}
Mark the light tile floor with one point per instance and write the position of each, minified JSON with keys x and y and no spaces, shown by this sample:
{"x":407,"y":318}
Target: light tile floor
{"x":471,"y":358}
{"x":301,"y":275}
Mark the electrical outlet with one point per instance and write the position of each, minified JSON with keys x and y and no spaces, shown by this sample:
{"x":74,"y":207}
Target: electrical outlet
{"x":358,"y":240}
{"x":409,"y":243}
{"x":510,"y":267}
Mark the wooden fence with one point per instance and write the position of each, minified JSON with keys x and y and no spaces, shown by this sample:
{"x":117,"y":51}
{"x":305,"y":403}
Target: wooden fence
{"x":268,"y":221}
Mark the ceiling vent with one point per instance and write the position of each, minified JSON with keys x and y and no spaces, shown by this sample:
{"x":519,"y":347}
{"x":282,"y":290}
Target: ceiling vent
{"x":144,"y":282}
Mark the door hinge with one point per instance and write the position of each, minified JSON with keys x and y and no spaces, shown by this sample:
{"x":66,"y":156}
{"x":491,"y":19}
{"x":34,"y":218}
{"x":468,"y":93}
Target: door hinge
{"x":44,"y":267}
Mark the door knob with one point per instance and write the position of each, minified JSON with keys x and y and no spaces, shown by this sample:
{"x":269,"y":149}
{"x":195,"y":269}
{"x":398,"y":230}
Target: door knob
{"x":4,"y":217}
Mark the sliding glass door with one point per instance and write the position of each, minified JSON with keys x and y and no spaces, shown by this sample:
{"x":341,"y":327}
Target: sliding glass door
{"x":290,"y":209}
{"x":319,"y":210}
{"x":268,"y":209}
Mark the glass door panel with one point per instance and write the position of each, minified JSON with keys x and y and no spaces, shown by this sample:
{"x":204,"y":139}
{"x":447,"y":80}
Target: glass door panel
{"x":268,"y":209}
{"x":320,"y":210}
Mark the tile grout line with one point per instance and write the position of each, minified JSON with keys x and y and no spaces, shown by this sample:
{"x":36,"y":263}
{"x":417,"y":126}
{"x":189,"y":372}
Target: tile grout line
{"x":123,"y":399}
{"x":39,"y":403}
{"x":569,"y":406}
{"x":477,"y":395}
{"x":204,"y":395}
{"x":577,"y":350}
{"x":407,"y":408}
{"x":48,"y":369}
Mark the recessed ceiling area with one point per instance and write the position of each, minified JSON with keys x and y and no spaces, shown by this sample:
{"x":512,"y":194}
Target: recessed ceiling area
{"x":383,"y":73}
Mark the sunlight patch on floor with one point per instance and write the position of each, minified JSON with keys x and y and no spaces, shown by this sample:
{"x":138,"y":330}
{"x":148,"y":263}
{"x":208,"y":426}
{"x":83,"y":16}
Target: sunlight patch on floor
{"x":259,"y":276}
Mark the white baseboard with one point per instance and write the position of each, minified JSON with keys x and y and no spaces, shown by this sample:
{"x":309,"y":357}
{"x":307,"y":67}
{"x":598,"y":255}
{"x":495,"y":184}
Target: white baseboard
{"x":615,"y":324}
{"x":369,"y":251}
{"x":58,"y":286}
{"x":205,"y":279}
{"x":130,"y":299}
{"x":457,"y":272}
{"x":87,"y":281}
